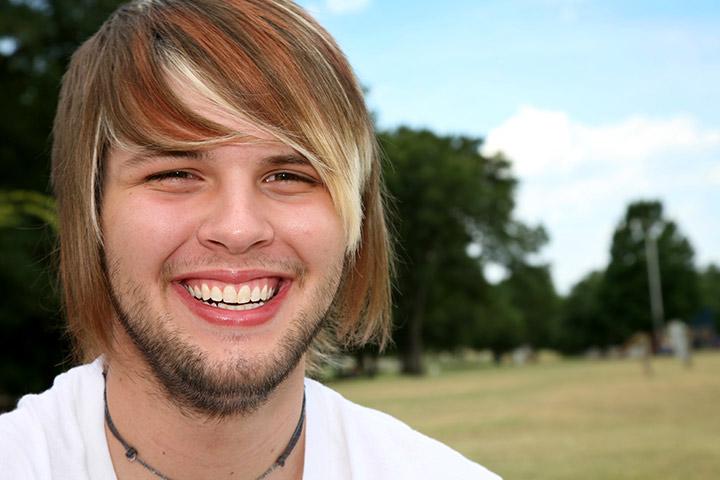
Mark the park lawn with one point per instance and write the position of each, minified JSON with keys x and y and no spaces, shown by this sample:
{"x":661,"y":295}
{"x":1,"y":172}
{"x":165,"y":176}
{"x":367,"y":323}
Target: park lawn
{"x":576,"y":419}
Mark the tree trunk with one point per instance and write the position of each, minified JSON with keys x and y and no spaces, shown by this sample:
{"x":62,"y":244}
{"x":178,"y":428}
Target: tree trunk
{"x":412,"y":362}
{"x":366,"y":362}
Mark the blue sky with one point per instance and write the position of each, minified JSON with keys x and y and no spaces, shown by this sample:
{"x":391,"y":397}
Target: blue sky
{"x":596,"y":102}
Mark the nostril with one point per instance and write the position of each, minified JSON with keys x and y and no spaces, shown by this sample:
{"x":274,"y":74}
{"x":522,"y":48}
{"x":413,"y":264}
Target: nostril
{"x":236,"y":234}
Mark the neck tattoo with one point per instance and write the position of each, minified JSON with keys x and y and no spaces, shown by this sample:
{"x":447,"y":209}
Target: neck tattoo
{"x":132,"y":455}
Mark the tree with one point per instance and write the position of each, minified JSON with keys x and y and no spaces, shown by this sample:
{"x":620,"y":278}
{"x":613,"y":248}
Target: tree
{"x":709,"y":283}
{"x":583,"y":322}
{"x":625,"y":291}
{"x":38,"y":38}
{"x":500,"y":325}
{"x":446,"y":196}
{"x":531,"y":291}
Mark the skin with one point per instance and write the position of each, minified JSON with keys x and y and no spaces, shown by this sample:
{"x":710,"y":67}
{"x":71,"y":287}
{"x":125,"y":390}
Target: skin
{"x":238,"y":211}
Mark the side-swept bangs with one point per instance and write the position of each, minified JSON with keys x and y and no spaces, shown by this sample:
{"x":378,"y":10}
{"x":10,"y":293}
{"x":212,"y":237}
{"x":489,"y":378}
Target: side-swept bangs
{"x":265,"y":63}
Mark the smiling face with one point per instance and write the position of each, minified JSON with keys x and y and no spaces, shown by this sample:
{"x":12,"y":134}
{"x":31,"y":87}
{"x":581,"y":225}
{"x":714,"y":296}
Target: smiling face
{"x":222,"y":265}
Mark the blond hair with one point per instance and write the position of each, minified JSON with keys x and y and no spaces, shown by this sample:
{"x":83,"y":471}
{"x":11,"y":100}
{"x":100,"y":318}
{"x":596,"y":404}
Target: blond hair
{"x":265,"y":62}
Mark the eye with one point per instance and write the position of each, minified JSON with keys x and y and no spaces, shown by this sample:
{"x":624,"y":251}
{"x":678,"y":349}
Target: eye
{"x":171,"y":175}
{"x":286,"y":182}
{"x":289,"y":177}
{"x":174,"y":181}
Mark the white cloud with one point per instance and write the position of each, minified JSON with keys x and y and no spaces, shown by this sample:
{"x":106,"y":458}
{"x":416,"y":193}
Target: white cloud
{"x":542,"y":141}
{"x":577,"y":180}
{"x":534,"y":139}
{"x":346,"y":6}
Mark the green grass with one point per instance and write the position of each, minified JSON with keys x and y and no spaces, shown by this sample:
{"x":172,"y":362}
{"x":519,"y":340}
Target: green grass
{"x":569,"y":419}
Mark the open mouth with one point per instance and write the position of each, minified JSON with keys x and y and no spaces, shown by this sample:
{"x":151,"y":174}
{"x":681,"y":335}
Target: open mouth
{"x":245,"y":296}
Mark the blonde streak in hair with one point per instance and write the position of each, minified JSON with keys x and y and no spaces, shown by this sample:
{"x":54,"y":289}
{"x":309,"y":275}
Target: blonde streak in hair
{"x":336,"y":83}
{"x":341,"y":190}
{"x":355,"y":212}
{"x":356,"y":156}
{"x":315,"y":29}
{"x":341,"y":148}
{"x":343,"y":184}
{"x":333,"y":82}
{"x":360,"y":155}
{"x":94,"y":174}
{"x":337,"y":180}
{"x":311,"y":25}
{"x":179,"y":68}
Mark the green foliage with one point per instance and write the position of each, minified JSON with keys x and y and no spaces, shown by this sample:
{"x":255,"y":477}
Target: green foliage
{"x":709,"y":284}
{"x":446,"y":196}
{"x":15,"y":205}
{"x":625,"y":290}
{"x":32,"y":347}
{"x":500,"y":324}
{"x":31,"y":350}
{"x":606,"y":308}
{"x":583,"y":321}
{"x":531,"y":291}
{"x":38,"y":38}
{"x":43,"y":34}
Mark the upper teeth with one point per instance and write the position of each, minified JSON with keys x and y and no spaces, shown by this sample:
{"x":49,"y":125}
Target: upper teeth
{"x":231,"y":294}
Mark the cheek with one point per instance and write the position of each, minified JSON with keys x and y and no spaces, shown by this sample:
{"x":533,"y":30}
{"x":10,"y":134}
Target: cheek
{"x":316,"y":233}
{"x":141,"y":234}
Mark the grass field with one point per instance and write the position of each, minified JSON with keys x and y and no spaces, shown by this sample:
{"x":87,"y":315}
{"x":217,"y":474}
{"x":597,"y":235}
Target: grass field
{"x":583,"y":419}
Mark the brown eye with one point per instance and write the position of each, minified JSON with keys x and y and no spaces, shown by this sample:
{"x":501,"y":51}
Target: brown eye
{"x":290,"y":183}
{"x":174,"y":181}
{"x":171,"y":175}
{"x":289,"y":177}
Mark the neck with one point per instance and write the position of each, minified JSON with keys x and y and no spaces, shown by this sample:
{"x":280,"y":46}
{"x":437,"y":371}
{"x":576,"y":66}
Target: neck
{"x":183,"y":444}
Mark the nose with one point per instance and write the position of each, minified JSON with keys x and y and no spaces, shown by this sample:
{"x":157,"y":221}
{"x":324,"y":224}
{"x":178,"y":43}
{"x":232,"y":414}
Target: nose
{"x":235,"y":221}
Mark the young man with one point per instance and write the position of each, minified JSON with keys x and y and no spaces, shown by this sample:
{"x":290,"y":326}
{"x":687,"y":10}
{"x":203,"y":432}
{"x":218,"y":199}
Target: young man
{"x":219,"y":194}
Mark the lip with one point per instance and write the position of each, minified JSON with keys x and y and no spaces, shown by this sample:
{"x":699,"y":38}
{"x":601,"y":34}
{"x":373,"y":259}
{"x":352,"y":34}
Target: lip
{"x":230,"y":276}
{"x":233,"y":318}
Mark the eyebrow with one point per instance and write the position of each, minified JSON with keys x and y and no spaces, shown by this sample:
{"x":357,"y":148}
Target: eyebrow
{"x":148,"y":156}
{"x":289,"y":159}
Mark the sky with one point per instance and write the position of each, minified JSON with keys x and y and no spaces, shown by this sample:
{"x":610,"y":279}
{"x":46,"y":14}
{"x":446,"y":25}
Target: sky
{"x":596,"y":102}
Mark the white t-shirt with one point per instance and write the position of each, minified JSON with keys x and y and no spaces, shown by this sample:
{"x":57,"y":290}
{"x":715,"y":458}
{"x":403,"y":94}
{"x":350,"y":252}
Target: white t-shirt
{"x":60,"y":435}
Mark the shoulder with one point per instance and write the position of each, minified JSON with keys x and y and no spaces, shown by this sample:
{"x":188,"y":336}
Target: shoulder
{"x":381,"y":446}
{"x":63,"y":399}
{"x":20,"y":442}
{"x":46,"y":429}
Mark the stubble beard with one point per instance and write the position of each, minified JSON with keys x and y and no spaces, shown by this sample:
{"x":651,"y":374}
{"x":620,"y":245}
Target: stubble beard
{"x":237,"y":385}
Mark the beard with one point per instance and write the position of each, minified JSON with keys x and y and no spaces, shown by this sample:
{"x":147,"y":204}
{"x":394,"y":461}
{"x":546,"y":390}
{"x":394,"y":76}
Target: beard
{"x":235,"y":385}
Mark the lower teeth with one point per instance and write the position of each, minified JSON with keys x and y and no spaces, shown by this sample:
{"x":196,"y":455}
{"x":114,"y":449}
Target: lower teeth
{"x":244,"y":306}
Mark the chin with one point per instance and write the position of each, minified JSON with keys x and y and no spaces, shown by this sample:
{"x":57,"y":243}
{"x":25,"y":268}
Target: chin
{"x":234,"y":377}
